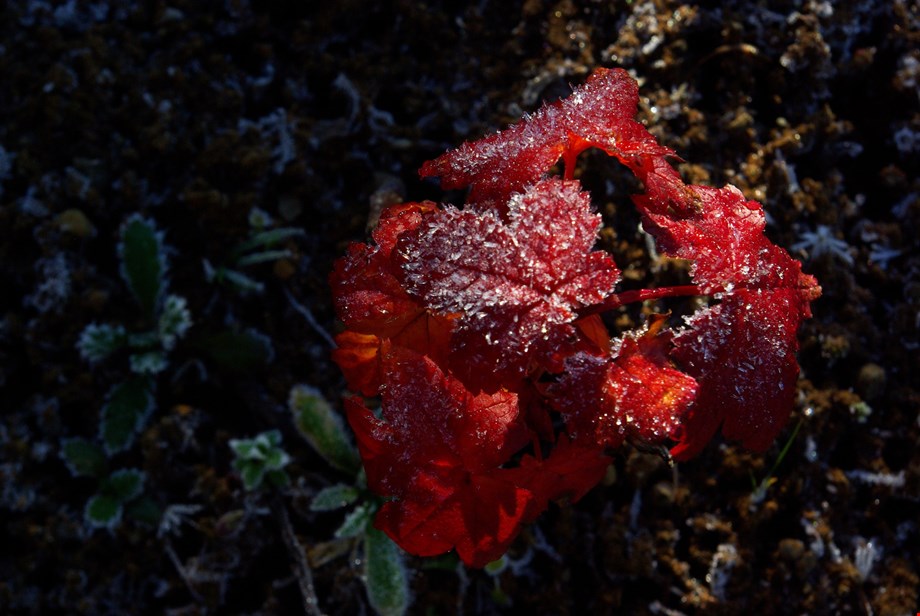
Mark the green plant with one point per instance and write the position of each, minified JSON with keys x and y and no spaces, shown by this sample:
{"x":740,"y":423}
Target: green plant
{"x":143,"y":267}
{"x":261,"y":460}
{"x":129,"y":404}
{"x":116,"y":490}
{"x":259,"y":247}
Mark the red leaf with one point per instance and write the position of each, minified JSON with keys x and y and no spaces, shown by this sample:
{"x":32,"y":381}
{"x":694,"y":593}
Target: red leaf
{"x":373,"y":304}
{"x":368,"y":297}
{"x":598,"y":114}
{"x":742,"y":353}
{"x":516,"y":283}
{"x":479,"y":515}
{"x":724,"y":237}
{"x":637,"y":394}
{"x":437,"y":452}
{"x":570,"y":471}
{"x":360,"y":356}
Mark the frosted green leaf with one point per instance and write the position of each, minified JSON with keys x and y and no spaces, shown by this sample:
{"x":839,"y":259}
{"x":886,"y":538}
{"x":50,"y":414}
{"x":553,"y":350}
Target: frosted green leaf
{"x":265,"y":239}
{"x":245,"y":448}
{"x":268,"y":439}
{"x":260,"y":457}
{"x":82,"y":457}
{"x":334,"y":497}
{"x":148,"y":362}
{"x":251,"y":473}
{"x":127,"y":408}
{"x":97,"y":342}
{"x":175,"y":320}
{"x":124,"y":484}
{"x":386,"y":575}
{"x":323,"y":428}
{"x":276,"y":459}
{"x":102,"y":511}
{"x":356,"y":522}
{"x":259,"y":219}
{"x":143,"y":261}
{"x":240,"y":281}
{"x":263,"y":257}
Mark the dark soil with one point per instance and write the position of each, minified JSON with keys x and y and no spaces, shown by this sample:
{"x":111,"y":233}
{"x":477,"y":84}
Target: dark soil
{"x":319,"y":113}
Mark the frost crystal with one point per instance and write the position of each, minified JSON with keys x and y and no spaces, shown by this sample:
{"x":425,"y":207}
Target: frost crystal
{"x":821,"y":242}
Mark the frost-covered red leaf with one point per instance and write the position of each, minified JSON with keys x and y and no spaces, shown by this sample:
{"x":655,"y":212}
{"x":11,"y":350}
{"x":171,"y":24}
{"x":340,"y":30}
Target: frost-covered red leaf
{"x":368,"y":297}
{"x":742,"y":353}
{"x":636,"y":394}
{"x":598,"y":114}
{"x":437,"y":453}
{"x":516,"y":281}
{"x":723,"y":236}
{"x":376,"y":308}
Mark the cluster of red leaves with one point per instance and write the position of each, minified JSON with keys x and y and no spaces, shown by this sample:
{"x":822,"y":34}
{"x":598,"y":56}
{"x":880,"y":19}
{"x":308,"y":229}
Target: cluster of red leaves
{"x":479,"y":327}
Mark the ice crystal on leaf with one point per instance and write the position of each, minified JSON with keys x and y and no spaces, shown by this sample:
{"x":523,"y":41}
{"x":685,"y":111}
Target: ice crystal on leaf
{"x":475,"y":327}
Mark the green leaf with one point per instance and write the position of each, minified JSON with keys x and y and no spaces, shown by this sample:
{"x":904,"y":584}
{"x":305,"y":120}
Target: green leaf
{"x":127,"y":408}
{"x":238,"y":351}
{"x":123,"y":485}
{"x":334,"y":497}
{"x":276,"y":459}
{"x":245,"y":448}
{"x":385,"y":574}
{"x":265,"y":239}
{"x":83,"y":458}
{"x":269,"y":439}
{"x":323,"y":428}
{"x":97,"y":342}
{"x":263,"y":257}
{"x":251,"y":473}
{"x":143,"y":262}
{"x":175,"y":320}
{"x":148,"y":362}
{"x":356,"y":522}
{"x":260,"y":458}
{"x":102,"y":511}
{"x":243,"y":283}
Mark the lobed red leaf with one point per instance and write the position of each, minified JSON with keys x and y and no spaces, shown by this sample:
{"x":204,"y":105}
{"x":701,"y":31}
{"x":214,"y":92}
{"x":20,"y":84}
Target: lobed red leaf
{"x":598,"y":114}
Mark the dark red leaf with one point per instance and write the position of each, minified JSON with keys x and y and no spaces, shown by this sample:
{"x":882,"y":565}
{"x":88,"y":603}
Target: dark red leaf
{"x":360,"y":358}
{"x":742,"y":353}
{"x":437,"y":452}
{"x":368,"y":297}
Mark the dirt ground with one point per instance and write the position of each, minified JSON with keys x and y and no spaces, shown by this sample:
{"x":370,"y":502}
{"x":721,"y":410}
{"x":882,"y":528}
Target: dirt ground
{"x":317,"y":114}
